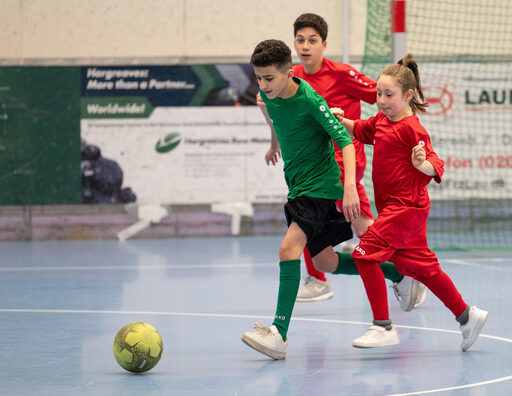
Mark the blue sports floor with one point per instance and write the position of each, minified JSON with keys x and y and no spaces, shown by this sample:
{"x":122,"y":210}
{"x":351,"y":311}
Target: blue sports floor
{"x":61,"y":304}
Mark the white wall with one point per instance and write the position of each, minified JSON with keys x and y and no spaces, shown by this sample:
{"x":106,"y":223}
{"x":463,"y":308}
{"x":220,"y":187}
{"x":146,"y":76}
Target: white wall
{"x":168,"y":31}
{"x":190,"y":31}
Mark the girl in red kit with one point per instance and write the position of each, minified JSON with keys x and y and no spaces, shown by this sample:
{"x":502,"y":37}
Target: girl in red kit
{"x":404,"y":162}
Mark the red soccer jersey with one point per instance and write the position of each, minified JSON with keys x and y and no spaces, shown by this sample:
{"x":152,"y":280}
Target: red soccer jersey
{"x":342,"y":86}
{"x":401,"y":193}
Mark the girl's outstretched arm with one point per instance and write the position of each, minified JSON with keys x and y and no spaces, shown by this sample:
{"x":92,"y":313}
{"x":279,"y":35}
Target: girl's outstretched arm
{"x":348,"y":124}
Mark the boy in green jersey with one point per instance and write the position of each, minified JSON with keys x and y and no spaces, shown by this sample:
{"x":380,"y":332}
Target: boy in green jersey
{"x":305,"y":129}
{"x":341,"y":86}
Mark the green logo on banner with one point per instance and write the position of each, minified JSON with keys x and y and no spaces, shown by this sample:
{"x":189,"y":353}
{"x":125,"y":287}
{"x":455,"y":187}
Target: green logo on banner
{"x":168,"y":143}
{"x":116,"y":107}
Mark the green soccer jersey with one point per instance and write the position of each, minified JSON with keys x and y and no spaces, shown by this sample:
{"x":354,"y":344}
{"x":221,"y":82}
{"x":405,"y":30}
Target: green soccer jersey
{"x":304,"y":128}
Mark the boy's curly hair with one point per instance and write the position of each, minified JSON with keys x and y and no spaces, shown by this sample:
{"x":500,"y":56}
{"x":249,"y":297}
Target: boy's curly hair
{"x":272,"y":52}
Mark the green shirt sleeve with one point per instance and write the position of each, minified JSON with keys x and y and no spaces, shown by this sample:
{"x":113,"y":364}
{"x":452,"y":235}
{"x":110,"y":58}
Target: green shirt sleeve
{"x":322,"y":114}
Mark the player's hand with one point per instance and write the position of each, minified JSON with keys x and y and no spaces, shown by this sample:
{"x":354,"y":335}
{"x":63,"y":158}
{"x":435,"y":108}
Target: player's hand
{"x":418,"y":156}
{"x":259,"y":101}
{"x":338,"y":113}
{"x":272,"y":156}
{"x":351,"y":208}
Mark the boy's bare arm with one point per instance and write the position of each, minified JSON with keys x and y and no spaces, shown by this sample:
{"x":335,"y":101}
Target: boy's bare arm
{"x":274,"y":152}
{"x":351,"y":208}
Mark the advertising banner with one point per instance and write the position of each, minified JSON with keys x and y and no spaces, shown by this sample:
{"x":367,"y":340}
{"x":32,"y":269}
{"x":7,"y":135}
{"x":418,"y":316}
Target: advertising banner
{"x":469,"y":120}
{"x":192,"y":134}
{"x":192,"y":155}
{"x":180,"y":134}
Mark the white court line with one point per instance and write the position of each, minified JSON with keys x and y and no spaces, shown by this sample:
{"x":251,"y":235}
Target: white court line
{"x":190,"y":266}
{"x":472,"y":385}
{"x":475,"y":265}
{"x":496,"y":259}
{"x":454,"y":387}
{"x":134,"y":267}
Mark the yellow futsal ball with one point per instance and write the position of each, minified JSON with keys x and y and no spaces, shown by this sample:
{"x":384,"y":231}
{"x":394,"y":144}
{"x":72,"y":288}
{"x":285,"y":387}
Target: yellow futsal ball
{"x":138,"y":347}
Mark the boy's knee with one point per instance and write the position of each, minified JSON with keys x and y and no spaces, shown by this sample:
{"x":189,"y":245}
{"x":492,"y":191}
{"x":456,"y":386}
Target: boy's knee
{"x":289,"y":252}
{"x":283,"y":249}
{"x":321,"y":266}
{"x":327,"y":261}
{"x":360,"y":225}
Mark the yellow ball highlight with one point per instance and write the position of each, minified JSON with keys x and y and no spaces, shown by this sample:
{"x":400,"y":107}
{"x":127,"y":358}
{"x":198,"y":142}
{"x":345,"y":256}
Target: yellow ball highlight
{"x":138,"y":347}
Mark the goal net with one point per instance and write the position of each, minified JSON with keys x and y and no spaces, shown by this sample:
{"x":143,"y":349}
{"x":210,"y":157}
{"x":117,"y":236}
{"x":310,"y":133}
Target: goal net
{"x":464,"y":52}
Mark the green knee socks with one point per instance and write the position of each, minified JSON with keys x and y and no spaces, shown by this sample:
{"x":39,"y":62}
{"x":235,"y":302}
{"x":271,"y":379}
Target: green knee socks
{"x":289,"y":281}
{"x":347,"y":266}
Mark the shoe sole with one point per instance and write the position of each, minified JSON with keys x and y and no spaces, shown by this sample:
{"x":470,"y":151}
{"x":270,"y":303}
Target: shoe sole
{"x":260,"y":348}
{"x":360,"y":346}
{"x":475,"y":334}
{"x":423,"y":290}
{"x":414,"y":296}
{"x":323,"y":297}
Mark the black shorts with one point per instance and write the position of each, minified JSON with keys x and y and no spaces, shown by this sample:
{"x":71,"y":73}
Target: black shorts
{"x":320,"y":220}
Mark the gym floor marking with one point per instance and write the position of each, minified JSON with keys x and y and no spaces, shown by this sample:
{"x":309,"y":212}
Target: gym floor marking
{"x":111,"y":312}
{"x":136,"y":267}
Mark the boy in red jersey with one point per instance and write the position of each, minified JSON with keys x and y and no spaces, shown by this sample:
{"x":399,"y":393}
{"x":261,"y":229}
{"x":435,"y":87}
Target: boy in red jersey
{"x":404,"y":163}
{"x":342,"y":86}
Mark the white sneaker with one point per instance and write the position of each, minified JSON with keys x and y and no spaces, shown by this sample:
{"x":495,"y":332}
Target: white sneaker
{"x":377,"y":336}
{"x":406,"y":291}
{"x":471,"y":330}
{"x":422,"y":295}
{"x":266,"y":340}
{"x":314,"y":290}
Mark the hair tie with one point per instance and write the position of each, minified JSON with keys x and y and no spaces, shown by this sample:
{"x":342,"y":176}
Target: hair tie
{"x":409,"y":65}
